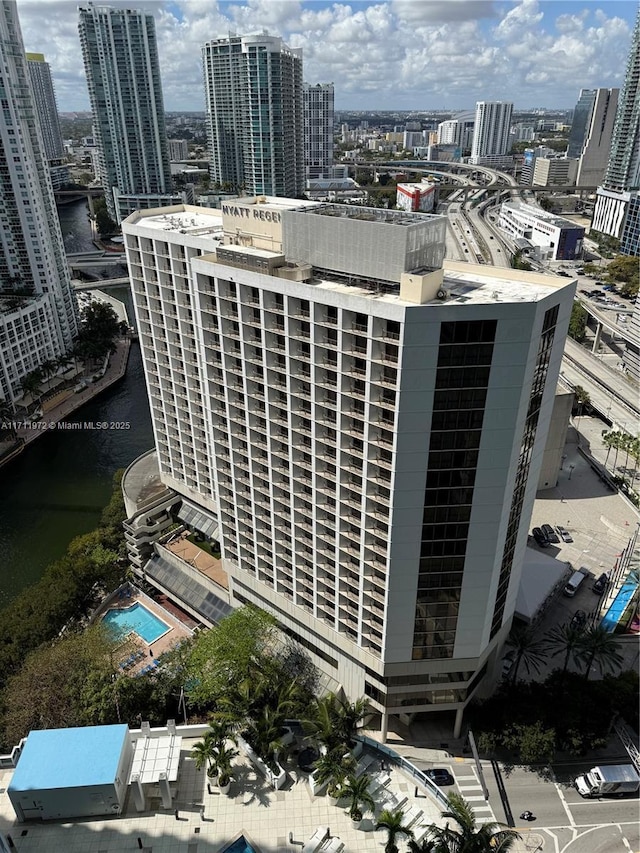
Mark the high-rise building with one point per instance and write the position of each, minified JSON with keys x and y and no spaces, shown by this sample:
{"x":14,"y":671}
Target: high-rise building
{"x":596,"y":146}
{"x":363,"y":423}
{"x":457,"y":130}
{"x":123,"y":76}
{"x":580,"y":123}
{"x":318,"y":130}
{"x":622,"y":180}
{"x":45,"y":101}
{"x":178,"y":149}
{"x":491,"y":141}
{"x":254,"y":107}
{"x":38,"y":312}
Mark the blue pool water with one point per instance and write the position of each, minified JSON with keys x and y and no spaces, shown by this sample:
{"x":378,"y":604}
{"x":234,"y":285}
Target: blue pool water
{"x":240,"y":845}
{"x":617,"y":609}
{"x":137,"y":618}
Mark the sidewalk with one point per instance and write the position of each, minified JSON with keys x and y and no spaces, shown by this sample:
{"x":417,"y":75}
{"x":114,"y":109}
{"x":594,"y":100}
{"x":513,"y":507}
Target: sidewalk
{"x":28,"y":432}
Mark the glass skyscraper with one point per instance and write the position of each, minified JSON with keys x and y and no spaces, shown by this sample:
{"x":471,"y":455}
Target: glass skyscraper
{"x":254,"y":104}
{"x":123,"y":76}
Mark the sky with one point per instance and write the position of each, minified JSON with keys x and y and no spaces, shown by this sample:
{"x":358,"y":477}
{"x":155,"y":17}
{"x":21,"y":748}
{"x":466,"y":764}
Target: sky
{"x":384,"y":55}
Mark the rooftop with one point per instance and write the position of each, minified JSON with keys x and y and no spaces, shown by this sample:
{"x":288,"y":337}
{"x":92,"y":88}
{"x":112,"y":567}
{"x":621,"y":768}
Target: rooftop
{"x":69,"y":758}
{"x":251,"y":807}
{"x":543,"y":215}
{"x":373,"y":214}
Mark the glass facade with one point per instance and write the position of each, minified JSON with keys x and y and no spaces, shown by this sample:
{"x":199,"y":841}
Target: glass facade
{"x":462,"y":380}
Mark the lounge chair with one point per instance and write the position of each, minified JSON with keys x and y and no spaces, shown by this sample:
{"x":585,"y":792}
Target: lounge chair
{"x":334,"y":845}
{"x":412,"y":816}
{"x":379,"y":780}
{"x":316,"y":841}
{"x":362,"y":765}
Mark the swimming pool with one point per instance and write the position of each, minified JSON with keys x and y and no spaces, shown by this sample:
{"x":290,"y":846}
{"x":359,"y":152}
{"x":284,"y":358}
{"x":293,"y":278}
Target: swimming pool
{"x":139,"y":619}
{"x":240,"y":845}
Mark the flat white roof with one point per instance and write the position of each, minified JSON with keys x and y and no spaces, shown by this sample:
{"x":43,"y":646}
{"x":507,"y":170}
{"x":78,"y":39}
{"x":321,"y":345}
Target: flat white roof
{"x":183,"y":219}
{"x":156,"y":755}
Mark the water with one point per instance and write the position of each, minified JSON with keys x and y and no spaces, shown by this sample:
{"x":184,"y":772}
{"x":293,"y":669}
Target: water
{"x":138,"y":619}
{"x":74,"y":221}
{"x":56,"y":489}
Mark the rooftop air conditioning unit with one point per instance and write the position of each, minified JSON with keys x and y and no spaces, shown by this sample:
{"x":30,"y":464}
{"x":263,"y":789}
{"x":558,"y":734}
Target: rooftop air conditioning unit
{"x":442,"y":294}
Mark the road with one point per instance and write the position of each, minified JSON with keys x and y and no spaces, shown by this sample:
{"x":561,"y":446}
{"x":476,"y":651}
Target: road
{"x":565,"y":823}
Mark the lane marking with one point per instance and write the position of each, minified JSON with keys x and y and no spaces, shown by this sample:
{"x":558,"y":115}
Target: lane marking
{"x":565,"y":805}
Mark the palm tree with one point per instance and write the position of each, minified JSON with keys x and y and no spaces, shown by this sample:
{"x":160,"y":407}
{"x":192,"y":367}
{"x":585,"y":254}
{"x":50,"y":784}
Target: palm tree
{"x":527,"y":650}
{"x":356,"y":790}
{"x":598,"y":645}
{"x":334,"y":721}
{"x":203,"y":752}
{"x":333,"y":768}
{"x":427,"y":845}
{"x":392,"y":822}
{"x":492,"y":837}
{"x":221,"y":764}
{"x":565,"y":638}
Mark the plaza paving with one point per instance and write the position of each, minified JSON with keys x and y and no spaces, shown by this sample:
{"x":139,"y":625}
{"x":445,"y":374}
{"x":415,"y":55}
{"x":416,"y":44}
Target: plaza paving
{"x":264,"y":815}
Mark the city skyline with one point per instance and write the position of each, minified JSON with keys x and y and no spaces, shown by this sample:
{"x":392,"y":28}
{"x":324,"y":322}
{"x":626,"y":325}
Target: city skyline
{"x":396,"y":54}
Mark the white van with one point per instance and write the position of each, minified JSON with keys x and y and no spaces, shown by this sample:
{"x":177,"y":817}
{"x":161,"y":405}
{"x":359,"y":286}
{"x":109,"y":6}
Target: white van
{"x":573,"y":584}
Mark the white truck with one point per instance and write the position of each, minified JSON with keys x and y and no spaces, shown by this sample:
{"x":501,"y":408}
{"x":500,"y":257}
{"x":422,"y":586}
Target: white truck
{"x":611,"y":780}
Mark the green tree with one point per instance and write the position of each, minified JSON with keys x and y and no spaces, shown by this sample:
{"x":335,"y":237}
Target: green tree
{"x":546,"y":203}
{"x":518,"y":262}
{"x":582,"y":398}
{"x":334,"y":720}
{"x":567,"y":640}
{"x":392,"y":822}
{"x":356,"y":790}
{"x":332,"y":768}
{"x":104,"y":223}
{"x":601,"y":647}
{"x":229,"y":654}
{"x":533,"y":743}
{"x":469,"y":837}
{"x":527,"y":650}
{"x":577,"y":322}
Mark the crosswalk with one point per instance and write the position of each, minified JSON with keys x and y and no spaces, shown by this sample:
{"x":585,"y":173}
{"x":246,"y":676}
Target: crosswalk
{"x":469,"y":786}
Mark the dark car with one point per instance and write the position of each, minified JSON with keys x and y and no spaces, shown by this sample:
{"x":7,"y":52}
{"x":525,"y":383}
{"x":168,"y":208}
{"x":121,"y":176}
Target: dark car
{"x":550,"y":533}
{"x":540,"y":538}
{"x":564,"y":533}
{"x":579,"y":619}
{"x":440,"y":776}
{"x":564,"y":274}
{"x":601,"y":583}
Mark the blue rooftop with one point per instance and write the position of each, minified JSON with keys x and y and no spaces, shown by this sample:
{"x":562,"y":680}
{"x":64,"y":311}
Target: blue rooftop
{"x":69,"y":758}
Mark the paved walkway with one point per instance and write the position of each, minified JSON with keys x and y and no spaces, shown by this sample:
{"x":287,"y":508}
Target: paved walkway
{"x":28,"y":432}
{"x":264,"y":815}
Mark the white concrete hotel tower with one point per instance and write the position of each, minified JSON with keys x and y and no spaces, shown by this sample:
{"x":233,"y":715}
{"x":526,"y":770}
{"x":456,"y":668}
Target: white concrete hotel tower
{"x":366,"y":425}
{"x":38,"y":326}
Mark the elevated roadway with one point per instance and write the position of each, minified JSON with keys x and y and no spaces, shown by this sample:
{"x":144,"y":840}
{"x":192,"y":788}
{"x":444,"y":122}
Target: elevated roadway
{"x":611,"y":392}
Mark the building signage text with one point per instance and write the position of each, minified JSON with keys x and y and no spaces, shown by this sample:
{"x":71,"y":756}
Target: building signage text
{"x":258,"y":213}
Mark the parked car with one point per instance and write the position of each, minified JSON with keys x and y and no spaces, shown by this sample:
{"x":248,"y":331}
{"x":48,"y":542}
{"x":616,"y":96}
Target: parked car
{"x":579,"y":619}
{"x":600,"y":282}
{"x":540,"y":538}
{"x":564,"y":274}
{"x":440,"y":776}
{"x":601,"y":583}
{"x":610,"y":287}
{"x":564,"y":533}
{"x":550,"y":533}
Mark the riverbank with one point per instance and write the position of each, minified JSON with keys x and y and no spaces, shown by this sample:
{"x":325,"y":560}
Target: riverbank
{"x":27,"y":432}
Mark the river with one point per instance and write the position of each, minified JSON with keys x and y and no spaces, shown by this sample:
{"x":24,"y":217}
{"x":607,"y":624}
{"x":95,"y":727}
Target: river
{"x":56,"y":489}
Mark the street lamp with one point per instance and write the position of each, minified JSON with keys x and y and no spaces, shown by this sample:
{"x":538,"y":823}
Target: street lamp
{"x":571,"y":467}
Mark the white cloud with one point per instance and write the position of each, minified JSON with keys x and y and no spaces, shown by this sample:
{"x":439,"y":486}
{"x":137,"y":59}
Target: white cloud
{"x":381,"y":54}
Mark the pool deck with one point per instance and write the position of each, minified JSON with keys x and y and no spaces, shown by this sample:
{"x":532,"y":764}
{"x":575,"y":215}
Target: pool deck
{"x":177,"y":630}
{"x":251,"y":807}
